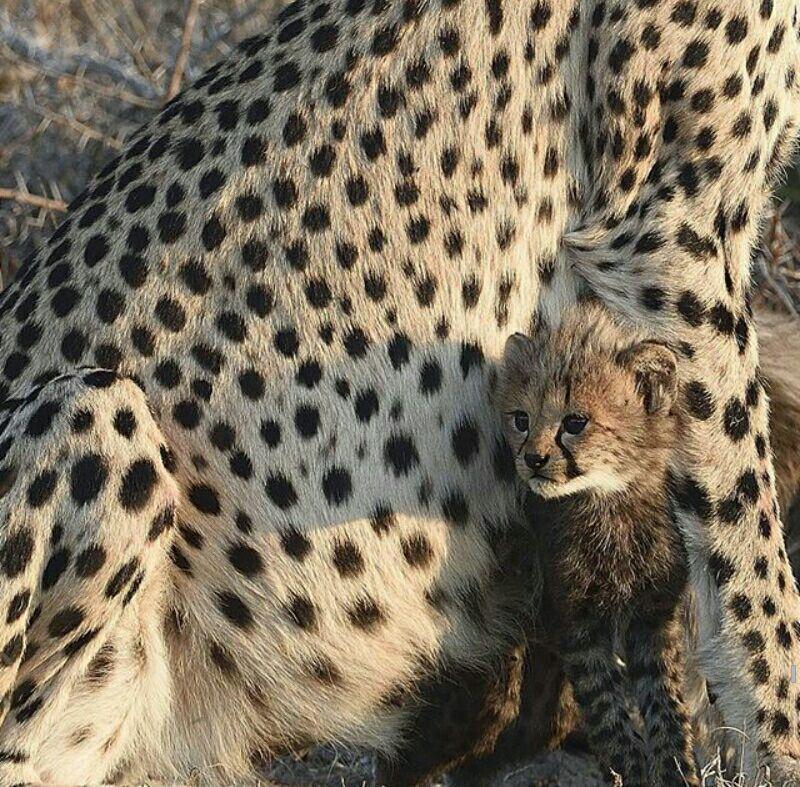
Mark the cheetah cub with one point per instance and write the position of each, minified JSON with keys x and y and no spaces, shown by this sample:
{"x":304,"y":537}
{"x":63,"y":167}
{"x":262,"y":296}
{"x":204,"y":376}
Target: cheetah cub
{"x":590,"y":414}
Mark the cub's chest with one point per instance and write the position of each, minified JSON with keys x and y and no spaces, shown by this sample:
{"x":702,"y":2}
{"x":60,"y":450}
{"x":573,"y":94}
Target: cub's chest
{"x":600,"y":556}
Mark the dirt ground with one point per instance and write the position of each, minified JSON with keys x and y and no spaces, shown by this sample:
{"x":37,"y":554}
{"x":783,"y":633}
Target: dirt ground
{"x":78,"y":76}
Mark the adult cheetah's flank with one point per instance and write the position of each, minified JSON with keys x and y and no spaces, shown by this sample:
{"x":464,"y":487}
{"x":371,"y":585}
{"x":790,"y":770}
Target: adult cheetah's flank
{"x":292,"y":284}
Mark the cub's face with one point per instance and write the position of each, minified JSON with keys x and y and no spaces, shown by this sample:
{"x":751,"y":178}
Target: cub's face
{"x":578,"y":418}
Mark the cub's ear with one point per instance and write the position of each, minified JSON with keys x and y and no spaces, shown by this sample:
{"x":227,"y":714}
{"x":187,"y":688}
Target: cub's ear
{"x":655,"y":368}
{"x":518,"y":350}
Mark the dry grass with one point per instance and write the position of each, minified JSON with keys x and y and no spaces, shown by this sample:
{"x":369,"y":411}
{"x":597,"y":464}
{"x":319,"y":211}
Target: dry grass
{"x":78,"y":76}
{"x":778,"y":267}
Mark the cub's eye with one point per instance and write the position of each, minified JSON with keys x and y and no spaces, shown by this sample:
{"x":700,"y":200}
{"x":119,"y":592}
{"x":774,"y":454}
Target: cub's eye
{"x":574,"y":424}
{"x":521,"y":421}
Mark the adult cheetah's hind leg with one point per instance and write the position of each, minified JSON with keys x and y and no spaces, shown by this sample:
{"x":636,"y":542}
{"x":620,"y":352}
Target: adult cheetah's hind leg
{"x":86,"y":507}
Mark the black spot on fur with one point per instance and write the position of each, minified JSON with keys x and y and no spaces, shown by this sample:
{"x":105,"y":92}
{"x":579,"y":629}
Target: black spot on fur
{"x":137,"y":487}
{"x":400,"y":454}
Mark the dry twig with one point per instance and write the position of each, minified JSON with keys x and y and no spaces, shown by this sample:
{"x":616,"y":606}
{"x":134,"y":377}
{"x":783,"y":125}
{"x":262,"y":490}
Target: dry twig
{"x":36,"y":200}
{"x":777,"y":261}
{"x":86,"y":132}
{"x":106,"y":25}
{"x":777,"y":282}
{"x":24,"y":48}
{"x":78,"y":79}
{"x":183,"y":54}
{"x":131,"y":12}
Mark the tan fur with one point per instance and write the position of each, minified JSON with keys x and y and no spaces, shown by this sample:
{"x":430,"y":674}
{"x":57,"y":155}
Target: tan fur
{"x":309,"y":262}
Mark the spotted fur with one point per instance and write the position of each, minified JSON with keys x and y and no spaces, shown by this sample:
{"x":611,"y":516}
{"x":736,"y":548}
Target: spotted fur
{"x":307,"y":263}
{"x":690,"y":205}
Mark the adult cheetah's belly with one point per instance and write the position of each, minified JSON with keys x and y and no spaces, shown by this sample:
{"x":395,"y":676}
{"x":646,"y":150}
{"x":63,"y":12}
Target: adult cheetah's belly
{"x":340,"y":479}
{"x":334,"y":538}
{"x":312,"y":363}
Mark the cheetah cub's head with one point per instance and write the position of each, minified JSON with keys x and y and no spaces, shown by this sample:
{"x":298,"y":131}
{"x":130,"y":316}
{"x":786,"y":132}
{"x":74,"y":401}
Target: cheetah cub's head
{"x":588,"y":406}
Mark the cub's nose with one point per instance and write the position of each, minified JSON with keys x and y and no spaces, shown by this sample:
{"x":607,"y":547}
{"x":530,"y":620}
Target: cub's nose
{"x":536,"y":461}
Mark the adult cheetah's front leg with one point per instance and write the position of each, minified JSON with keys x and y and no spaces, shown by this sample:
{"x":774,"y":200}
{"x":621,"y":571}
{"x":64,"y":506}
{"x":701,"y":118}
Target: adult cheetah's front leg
{"x":86,"y":507}
{"x":693,"y":112}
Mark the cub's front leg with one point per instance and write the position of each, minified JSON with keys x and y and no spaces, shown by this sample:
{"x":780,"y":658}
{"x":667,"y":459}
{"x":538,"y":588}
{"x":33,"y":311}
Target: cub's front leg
{"x":654,"y":645}
{"x":598,"y":687}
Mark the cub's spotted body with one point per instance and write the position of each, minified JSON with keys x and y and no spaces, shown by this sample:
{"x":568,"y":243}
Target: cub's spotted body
{"x":590,"y":414}
{"x":272,"y":321}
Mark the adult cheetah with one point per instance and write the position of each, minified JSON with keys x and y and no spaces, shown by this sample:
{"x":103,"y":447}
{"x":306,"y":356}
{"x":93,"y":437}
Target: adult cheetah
{"x":251,"y":491}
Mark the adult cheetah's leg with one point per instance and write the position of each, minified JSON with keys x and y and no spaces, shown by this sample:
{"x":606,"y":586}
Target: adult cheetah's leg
{"x":687,"y":126}
{"x":654,"y":647}
{"x":86,"y":506}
